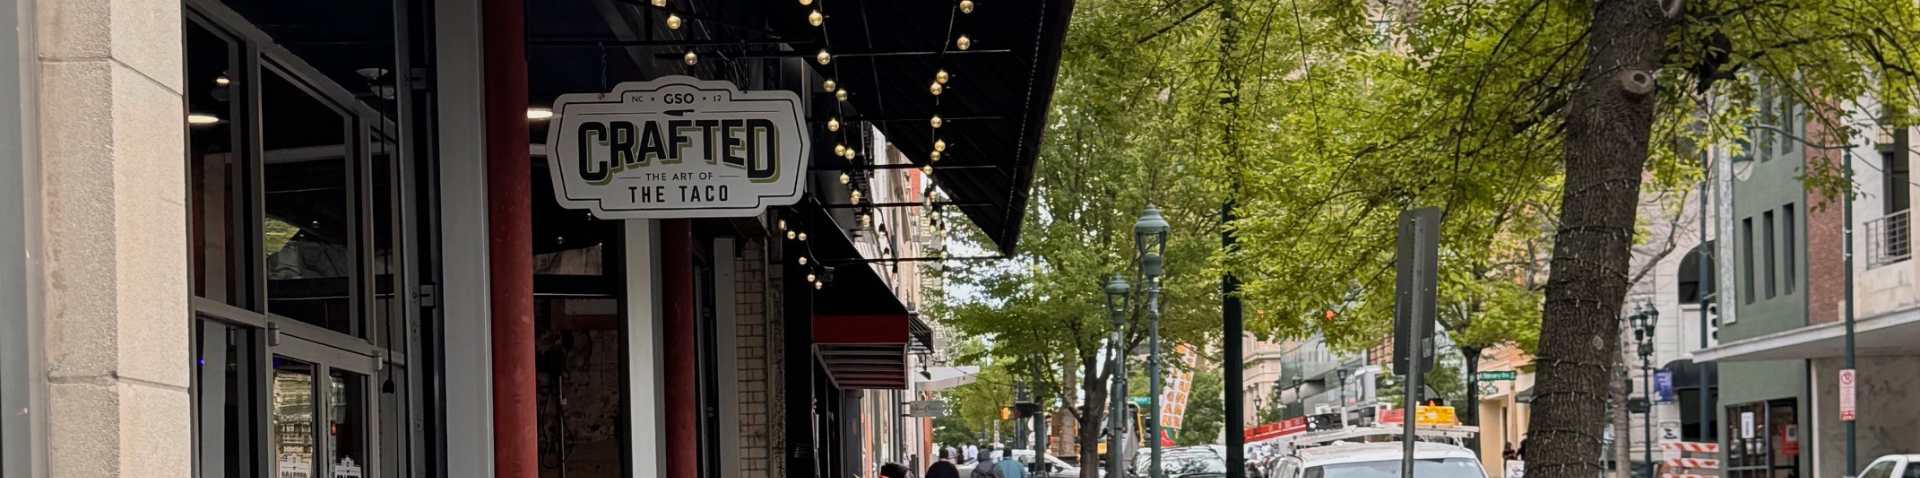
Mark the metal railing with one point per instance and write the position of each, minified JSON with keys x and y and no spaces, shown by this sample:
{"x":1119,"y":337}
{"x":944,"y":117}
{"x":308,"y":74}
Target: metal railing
{"x":1889,"y":240}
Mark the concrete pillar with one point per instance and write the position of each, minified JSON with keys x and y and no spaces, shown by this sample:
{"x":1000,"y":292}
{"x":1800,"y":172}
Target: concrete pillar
{"x":111,"y":130}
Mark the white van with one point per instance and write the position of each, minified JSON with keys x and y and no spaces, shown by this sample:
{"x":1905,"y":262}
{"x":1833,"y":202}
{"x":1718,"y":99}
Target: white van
{"x":1376,"y":460}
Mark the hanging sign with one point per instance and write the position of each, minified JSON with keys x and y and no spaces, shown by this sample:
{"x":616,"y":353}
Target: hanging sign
{"x":1663,"y":385}
{"x":677,"y":147}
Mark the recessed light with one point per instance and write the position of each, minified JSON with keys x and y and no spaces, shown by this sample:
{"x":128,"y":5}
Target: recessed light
{"x":539,"y":114}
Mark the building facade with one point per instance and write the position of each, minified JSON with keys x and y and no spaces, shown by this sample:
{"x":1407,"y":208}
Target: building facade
{"x":246,"y":238}
{"x":1781,"y":361}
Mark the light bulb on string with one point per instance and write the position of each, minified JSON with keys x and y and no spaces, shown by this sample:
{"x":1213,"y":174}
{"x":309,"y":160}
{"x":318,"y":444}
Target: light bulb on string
{"x":830,"y":86}
{"x":935,"y":121}
{"x":806,"y":2}
{"x":866,"y":219}
{"x":811,"y":277}
{"x":819,"y":285}
{"x":673,"y":22}
{"x":790,"y":235}
{"x":849,"y":154}
{"x":840,"y":94}
{"x":936,"y":88}
{"x":966,"y":6}
{"x":692,"y":58}
{"x":933,"y":156}
{"x":803,"y":260}
{"x":839,"y":150}
{"x":823,"y":57}
{"x":927,"y":170}
{"x":963,"y":42}
{"x":833,"y":124}
{"x":845,"y":178}
{"x":941,"y":76}
{"x":660,"y":3}
{"x":816,"y":18}
{"x":783,"y":224}
{"x":854,"y":197}
{"x":803,"y":237}
{"x":940,"y":145}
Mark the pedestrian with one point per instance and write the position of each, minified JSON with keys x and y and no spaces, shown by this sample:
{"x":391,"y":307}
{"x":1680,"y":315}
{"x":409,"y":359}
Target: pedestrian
{"x":893,"y":470}
{"x":943,"y":468}
{"x":1009,"y":467}
{"x":1507,"y":453}
{"x":973,"y":453}
{"x":982,"y":468}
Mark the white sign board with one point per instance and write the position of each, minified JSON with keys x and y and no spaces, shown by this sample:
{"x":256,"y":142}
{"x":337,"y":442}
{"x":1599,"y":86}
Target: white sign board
{"x":677,"y":147}
{"x":1516,"y":469}
{"x":1846,"y":395}
{"x":1746,"y":425}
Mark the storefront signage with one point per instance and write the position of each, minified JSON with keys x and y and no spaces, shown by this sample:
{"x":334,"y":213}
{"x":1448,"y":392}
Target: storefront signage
{"x":677,"y":147}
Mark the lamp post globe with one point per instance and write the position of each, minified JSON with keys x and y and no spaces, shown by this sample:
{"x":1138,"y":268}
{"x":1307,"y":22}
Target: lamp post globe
{"x":1117,"y":290}
{"x":1150,"y":238}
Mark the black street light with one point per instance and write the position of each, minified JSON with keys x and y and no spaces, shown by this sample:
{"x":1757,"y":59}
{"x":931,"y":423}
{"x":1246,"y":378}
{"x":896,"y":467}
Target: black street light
{"x":1643,"y":320}
{"x":1117,"y":290}
{"x":1150,"y":242}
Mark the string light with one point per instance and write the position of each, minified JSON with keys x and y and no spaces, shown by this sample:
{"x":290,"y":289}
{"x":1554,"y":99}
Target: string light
{"x":673,"y":22}
{"x":806,"y":2}
{"x":849,"y":154}
{"x":927,"y":170}
{"x":825,"y":58}
{"x":840,"y":94}
{"x":830,"y":86}
{"x":866,"y":219}
{"x":833,"y":124}
{"x":790,"y":235}
{"x":839,"y":150}
{"x":783,"y":224}
{"x":854,"y":197}
{"x":933,"y":156}
{"x":940,"y":145}
{"x":660,"y":3}
{"x":816,"y":18}
{"x":963,"y":43}
{"x":966,"y":6}
{"x":935,"y":88}
{"x":812,"y":278}
{"x":935,"y":121}
{"x":803,"y":260}
{"x":845,"y":178}
{"x":941,"y":76}
{"x":692,"y":58}
{"x":819,"y":285}
{"x":803,"y":237}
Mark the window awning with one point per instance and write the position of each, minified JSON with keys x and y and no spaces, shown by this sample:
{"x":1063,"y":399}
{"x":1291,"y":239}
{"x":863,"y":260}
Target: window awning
{"x":863,"y":351}
{"x":1889,"y":334}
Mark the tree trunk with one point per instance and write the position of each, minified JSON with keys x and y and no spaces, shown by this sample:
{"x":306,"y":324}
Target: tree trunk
{"x":1608,"y":121}
{"x":1092,"y":416}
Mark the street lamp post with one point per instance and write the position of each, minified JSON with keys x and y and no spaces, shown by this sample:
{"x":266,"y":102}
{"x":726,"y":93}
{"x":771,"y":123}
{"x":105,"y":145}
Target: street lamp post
{"x":1116,"y":313}
{"x":1644,"y":319}
{"x":1150,"y":242}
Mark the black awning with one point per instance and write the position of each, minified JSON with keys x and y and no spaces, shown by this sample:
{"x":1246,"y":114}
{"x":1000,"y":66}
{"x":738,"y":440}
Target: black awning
{"x":994,"y":107}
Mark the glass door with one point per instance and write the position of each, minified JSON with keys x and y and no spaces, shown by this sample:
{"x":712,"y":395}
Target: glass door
{"x":320,"y":406}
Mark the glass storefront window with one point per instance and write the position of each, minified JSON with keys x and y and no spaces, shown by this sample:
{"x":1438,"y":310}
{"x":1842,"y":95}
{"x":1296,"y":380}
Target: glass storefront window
{"x":293,"y":419}
{"x":346,"y":423}
{"x":309,"y":233}
{"x":215,"y":169}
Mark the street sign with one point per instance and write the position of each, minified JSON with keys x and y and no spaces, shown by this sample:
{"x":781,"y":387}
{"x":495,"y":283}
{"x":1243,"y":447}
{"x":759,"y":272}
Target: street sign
{"x":1663,"y":385}
{"x":1498,"y":375}
{"x":1416,"y":271}
{"x":1847,"y":379}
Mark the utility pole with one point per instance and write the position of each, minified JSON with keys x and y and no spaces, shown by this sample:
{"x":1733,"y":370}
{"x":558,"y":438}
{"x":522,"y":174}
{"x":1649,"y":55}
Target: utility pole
{"x":1234,"y":328}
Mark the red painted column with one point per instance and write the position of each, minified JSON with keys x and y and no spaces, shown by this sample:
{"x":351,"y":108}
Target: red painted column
{"x":510,"y":240}
{"x":677,"y":344}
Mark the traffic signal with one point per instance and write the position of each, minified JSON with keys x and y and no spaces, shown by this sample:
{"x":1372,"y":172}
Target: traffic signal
{"x":1006,"y":413}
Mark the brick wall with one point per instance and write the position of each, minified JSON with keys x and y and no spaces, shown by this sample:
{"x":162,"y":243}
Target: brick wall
{"x":758,"y":339}
{"x":1826,"y":267}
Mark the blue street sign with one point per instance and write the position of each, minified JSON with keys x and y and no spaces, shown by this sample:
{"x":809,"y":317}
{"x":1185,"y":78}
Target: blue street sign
{"x":1663,"y":385}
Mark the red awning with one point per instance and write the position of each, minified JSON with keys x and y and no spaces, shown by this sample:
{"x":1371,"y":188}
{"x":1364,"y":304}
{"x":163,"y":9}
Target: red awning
{"x":863,"y":351}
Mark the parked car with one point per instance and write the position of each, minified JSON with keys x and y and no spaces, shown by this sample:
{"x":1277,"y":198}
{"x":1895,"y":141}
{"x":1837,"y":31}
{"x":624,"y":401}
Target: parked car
{"x":1055,"y":467}
{"x":1182,"y":462}
{"x":1375,"y":460}
{"x":1893,"y":466}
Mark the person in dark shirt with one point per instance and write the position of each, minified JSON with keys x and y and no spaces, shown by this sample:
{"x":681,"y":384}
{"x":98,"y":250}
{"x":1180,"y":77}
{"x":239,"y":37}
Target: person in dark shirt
{"x":943,"y":468}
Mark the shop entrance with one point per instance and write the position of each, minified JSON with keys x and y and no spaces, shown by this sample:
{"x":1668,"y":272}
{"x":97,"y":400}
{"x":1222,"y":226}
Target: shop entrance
{"x":1763,"y":439}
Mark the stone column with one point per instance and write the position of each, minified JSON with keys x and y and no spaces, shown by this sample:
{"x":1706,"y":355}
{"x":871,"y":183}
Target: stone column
{"x":113,"y":224}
